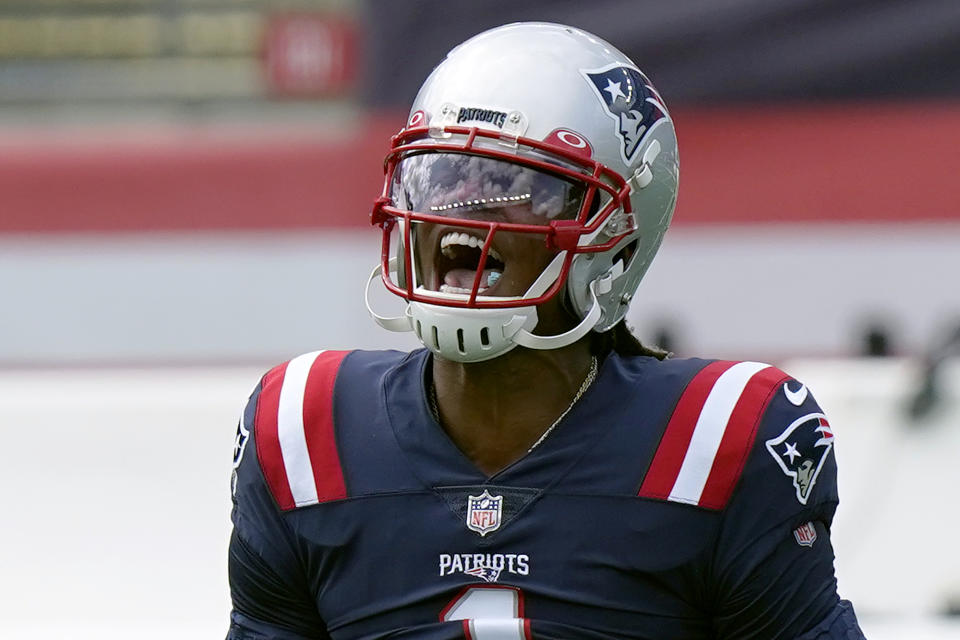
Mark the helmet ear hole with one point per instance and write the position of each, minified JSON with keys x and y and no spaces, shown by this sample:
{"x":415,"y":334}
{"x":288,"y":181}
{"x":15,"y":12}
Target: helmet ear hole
{"x":626,"y":254}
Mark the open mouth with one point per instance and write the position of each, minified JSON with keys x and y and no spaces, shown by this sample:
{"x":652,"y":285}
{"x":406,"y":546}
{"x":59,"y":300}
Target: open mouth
{"x":459,"y":259}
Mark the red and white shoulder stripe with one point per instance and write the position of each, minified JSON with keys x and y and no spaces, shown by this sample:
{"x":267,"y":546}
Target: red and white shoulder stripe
{"x":710,"y":434}
{"x":294,"y":431}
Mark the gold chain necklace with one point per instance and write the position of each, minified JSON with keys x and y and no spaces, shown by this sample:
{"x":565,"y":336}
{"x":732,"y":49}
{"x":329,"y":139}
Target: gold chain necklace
{"x":591,"y":376}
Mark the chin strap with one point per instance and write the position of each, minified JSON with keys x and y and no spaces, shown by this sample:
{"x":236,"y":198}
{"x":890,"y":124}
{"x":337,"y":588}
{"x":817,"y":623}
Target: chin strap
{"x":390,"y":323}
{"x":601,"y":285}
{"x":532,"y":341}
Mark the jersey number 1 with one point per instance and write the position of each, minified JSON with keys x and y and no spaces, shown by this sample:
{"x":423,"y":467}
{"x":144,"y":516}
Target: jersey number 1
{"x":489,"y":612}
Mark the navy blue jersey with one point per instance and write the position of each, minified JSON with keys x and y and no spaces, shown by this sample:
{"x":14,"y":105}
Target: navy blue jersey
{"x":677,"y":499}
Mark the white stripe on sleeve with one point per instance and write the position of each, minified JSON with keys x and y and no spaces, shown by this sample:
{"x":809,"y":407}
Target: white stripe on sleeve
{"x":293,"y":439}
{"x":709,"y":431}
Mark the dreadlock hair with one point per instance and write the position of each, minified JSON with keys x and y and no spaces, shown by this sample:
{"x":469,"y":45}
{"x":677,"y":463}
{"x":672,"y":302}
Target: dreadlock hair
{"x":621,"y":340}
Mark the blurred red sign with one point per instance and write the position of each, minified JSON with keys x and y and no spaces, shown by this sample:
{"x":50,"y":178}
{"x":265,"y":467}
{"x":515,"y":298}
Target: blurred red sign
{"x":310,"y":54}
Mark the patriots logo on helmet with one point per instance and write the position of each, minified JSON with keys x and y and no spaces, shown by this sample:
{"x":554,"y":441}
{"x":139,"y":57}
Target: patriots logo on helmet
{"x":630,"y":99}
{"x":801,"y":451}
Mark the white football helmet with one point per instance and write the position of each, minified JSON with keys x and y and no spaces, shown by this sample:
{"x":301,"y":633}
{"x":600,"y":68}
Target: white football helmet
{"x":527,"y":131}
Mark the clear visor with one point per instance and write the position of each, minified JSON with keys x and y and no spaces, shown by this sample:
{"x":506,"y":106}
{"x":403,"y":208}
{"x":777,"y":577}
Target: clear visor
{"x":458,"y":185}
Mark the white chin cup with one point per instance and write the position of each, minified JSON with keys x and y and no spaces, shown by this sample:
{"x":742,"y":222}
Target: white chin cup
{"x":469,"y":335}
{"x":462,"y":335}
{"x":475,"y":335}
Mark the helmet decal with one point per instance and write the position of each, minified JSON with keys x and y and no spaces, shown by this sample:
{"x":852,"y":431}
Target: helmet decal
{"x":477,"y":114}
{"x":631,"y":100}
{"x":571,"y":141}
{"x":418,"y":119}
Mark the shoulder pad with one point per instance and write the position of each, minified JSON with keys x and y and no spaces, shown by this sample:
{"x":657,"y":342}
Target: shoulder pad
{"x":294,"y":431}
{"x":710,"y":433}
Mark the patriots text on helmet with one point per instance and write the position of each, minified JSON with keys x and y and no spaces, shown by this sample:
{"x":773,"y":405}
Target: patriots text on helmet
{"x":475,"y":114}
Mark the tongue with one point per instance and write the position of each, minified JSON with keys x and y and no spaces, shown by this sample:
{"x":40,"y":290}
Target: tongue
{"x":463,"y":278}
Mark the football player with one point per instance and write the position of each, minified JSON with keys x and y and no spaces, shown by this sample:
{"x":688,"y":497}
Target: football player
{"x":534,"y":471}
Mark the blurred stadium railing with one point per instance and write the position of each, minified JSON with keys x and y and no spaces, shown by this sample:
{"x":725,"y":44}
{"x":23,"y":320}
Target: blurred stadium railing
{"x":163,"y":53}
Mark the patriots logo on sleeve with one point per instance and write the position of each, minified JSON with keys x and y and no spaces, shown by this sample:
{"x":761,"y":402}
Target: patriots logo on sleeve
{"x":631,"y":100}
{"x":801,"y":451}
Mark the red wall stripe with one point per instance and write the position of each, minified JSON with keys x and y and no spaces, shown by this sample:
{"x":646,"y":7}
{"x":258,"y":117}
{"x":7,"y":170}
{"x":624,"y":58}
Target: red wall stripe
{"x":663,"y":471}
{"x":267,"y":437}
{"x":319,"y":426}
{"x":179,"y":181}
{"x":737,"y":441}
{"x":825,"y":163}
{"x":820,"y":163}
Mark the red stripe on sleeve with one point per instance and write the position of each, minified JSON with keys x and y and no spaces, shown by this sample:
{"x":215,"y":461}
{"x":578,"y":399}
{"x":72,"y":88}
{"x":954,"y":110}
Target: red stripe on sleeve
{"x":319,"y":427}
{"x":673,"y":446}
{"x":738,"y":437}
{"x":268,"y":440}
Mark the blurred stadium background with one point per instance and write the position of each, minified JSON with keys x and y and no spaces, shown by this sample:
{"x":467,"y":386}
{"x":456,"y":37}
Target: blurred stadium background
{"x":184,"y":192}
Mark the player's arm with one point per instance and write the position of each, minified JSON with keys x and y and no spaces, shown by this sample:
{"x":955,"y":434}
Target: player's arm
{"x":270,"y":593}
{"x":773,"y":567}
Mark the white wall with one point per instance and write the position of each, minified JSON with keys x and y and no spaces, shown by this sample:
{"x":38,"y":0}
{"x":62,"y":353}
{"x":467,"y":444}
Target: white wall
{"x":116,"y":498}
{"x":728,"y":292}
{"x":781,"y":291}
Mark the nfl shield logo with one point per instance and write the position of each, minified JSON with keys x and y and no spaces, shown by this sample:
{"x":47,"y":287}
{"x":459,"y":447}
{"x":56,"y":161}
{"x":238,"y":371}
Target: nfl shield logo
{"x":805,"y":535}
{"x":483,"y":512}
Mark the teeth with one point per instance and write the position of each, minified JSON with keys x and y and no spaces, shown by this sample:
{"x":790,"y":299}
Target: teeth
{"x":465,"y":240}
{"x":445,"y":288}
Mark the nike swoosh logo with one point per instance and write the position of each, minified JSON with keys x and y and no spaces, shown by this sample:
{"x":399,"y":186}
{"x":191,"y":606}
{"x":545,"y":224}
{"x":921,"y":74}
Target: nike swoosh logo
{"x":797,"y":397}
